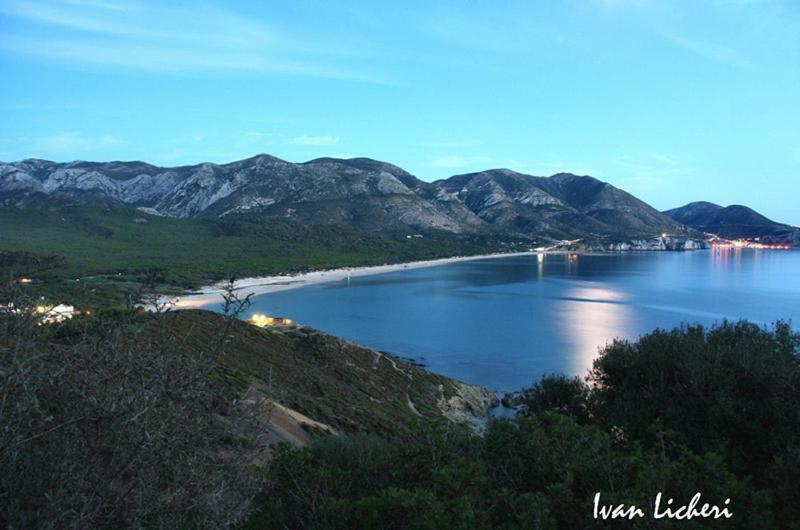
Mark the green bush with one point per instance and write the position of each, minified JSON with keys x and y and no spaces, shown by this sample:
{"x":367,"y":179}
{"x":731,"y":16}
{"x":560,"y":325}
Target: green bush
{"x":679,"y":412}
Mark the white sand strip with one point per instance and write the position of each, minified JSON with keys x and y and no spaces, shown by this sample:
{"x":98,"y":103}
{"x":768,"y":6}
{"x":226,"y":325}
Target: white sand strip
{"x":270,"y":284}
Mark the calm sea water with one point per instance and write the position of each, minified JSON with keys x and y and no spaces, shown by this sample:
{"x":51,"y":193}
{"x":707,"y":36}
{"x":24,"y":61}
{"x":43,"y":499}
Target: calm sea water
{"x":504,"y":322}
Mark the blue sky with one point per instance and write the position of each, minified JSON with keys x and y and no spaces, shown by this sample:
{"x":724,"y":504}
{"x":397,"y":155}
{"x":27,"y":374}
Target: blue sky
{"x":673,"y":101}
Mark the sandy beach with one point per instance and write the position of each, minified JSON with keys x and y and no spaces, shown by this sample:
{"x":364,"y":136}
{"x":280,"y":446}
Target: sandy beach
{"x":269,"y":284}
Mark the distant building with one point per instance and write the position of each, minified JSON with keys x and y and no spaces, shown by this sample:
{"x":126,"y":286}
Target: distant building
{"x":59,"y":313}
{"x":264,"y":321}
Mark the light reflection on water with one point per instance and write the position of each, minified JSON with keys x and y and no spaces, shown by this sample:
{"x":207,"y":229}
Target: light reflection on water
{"x":503,"y":322}
{"x":586,"y":315}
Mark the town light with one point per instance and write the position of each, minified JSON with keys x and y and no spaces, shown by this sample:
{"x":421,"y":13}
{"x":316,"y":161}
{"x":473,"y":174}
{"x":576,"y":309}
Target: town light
{"x":261,"y":321}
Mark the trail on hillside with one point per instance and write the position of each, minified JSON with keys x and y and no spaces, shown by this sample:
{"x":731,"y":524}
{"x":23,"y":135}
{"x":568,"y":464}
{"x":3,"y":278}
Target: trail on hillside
{"x":409,"y":375}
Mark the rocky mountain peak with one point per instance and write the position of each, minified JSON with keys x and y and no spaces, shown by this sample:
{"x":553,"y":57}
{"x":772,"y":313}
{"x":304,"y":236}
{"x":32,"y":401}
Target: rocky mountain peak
{"x":359,"y":192}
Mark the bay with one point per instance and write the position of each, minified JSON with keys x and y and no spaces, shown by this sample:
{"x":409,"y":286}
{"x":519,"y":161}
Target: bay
{"x":502,"y":323}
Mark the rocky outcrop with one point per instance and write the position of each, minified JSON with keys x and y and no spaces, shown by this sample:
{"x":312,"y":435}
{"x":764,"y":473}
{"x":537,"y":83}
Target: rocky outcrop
{"x":469,"y":404}
{"x":661,"y":243}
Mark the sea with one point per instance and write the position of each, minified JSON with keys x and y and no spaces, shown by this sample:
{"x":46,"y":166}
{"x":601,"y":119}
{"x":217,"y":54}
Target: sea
{"x":504,"y":322}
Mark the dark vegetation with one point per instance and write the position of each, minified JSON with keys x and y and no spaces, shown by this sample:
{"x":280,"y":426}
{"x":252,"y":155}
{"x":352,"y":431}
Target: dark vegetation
{"x":132,"y":419}
{"x":106,"y":422}
{"x":715,"y":411}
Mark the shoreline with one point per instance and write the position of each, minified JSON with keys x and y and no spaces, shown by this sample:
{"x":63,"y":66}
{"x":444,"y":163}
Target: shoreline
{"x":259,"y":285}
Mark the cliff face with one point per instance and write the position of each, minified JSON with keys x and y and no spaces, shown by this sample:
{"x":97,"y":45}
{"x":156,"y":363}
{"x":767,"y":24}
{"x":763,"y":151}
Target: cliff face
{"x":360,"y":193}
{"x":668,"y":243}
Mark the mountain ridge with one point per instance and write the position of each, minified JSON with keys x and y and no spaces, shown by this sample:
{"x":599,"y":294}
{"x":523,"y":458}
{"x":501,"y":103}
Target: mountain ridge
{"x":558,"y":204}
{"x":734,"y":222}
{"x":360,"y":192}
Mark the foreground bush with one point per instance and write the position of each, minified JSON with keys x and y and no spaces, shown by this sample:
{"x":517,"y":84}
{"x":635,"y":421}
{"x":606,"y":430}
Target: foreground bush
{"x":682,"y":411}
{"x":733,"y":389}
{"x":104,"y":422}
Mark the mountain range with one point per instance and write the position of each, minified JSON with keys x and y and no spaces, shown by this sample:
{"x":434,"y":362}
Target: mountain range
{"x":360,"y":192}
{"x":371,"y":195}
{"x":734,"y":222}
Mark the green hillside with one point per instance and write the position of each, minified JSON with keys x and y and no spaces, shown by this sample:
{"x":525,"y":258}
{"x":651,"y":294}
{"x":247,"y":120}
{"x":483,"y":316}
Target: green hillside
{"x":111,"y":250}
{"x":145,"y":420}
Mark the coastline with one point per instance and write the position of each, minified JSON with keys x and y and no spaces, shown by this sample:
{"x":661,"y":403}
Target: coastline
{"x":270,"y":284}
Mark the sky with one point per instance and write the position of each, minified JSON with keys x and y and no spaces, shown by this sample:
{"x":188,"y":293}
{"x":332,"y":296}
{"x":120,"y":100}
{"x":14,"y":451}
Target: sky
{"x":673,"y":101}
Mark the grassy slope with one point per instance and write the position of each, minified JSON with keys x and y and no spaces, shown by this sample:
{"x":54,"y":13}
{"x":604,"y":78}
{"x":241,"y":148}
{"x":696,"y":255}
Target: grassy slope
{"x":114,"y":247}
{"x":346,"y":386}
{"x":326,"y":378}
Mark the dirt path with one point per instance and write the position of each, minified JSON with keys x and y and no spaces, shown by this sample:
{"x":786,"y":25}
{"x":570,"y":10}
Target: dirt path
{"x":409,"y":375}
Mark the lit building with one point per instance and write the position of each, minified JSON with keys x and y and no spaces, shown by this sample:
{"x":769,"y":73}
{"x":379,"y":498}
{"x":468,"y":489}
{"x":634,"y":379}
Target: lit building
{"x":59,"y":313}
{"x":263,"y":320}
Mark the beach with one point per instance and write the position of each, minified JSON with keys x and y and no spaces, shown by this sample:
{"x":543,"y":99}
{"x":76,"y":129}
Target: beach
{"x":269,"y":284}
